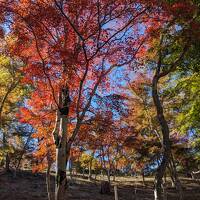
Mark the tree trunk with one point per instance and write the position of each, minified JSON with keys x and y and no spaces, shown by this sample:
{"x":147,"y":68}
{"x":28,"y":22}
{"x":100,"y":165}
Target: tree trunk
{"x":165,"y":137}
{"x":143,"y":178}
{"x":114,"y":175}
{"x":70,"y":168}
{"x":48,"y":183}
{"x":61,"y":161}
{"x":90,"y":170}
{"x":105,"y":187}
{"x":108,"y":175}
{"x":22,"y":153}
{"x":5,"y":160}
{"x":176,"y":179}
{"x":164,"y":192}
{"x":165,"y":178}
{"x":160,"y":114}
{"x":7,"y":157}
{"x":90,"y":165}
{"x":7,"y":168}
{"x":171,"y":175}
{"x":115,"y":192}
{"x":95,"y":177}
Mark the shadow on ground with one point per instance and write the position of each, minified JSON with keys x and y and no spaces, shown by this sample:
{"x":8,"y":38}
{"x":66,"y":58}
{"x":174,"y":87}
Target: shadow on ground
{"x":28,"y":186}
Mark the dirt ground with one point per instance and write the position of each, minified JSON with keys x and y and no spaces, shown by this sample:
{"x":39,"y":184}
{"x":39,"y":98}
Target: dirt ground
{"x":27,"y":186}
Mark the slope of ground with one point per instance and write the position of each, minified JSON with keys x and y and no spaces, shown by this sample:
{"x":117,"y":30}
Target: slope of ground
{"x":28,"y":186}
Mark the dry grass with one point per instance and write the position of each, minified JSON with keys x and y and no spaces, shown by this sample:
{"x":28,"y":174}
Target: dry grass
{"x":27,"y":186}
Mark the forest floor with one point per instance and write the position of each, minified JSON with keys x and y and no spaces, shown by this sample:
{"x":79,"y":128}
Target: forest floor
{"x":28,"y":186}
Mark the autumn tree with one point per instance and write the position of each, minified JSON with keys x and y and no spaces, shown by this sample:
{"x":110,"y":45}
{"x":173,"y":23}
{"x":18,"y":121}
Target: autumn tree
{"x":12,"y":92}
{"x":146,"y":136}
{"x":171,"y":42}
{"x":143,"y":144}
{"x":69,"y":49}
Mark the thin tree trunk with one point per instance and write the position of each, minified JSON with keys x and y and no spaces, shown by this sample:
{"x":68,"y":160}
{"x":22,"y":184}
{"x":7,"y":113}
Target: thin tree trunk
{"x":115,"y":192}
{"x":104,"y":163}
{"x":95,"y":177}
{"x":114,"y":174}
{"x":171,"y":170}
{"x":90,"y":166}
{"x":165,"y":137}
{"x":48,"y":183}
{"x":70,"y":168}
{"x":101,"y":161}
{"x":22,"y":153}
{"x":160,"y":114}
{"x":62,"y":145}
{"x":19,"y":161}
{"x":176,"y":179}
{"x":7,"y":163}
{"x":108,"y":174}
{"x":61,"y":158}
{"x":90,"y":170}
{"x":143,"y":178}
{"x":7,"y":158}
{"x":165,"y":178}
{"x":109,"y":167}
{"x":164,"y":192}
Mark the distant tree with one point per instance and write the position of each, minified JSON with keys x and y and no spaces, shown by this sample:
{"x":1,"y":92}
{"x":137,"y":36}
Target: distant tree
{"x":12,"y":93}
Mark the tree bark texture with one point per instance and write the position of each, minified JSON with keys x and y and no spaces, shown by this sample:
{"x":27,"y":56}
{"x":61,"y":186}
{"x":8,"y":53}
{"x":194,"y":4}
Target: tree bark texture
{"x":61,"y":162}
{"x":48,"y":183}
{"x":165,"y":138}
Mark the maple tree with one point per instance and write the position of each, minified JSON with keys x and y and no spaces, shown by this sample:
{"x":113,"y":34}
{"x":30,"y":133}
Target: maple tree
{"x":67,"y":47}
{"x":105,"y":133}
{"x":69,"y":50}
{"x":143,"y":144}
